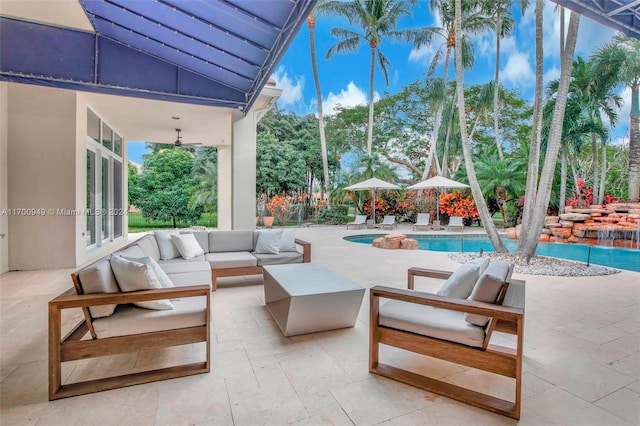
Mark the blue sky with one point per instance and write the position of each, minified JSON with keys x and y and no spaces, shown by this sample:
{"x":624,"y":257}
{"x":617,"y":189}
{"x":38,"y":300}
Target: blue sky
{"x":344,"y":78}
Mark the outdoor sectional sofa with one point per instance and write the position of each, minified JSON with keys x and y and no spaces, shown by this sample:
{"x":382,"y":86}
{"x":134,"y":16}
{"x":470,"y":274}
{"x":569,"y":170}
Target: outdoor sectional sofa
{"x":154,"y":294}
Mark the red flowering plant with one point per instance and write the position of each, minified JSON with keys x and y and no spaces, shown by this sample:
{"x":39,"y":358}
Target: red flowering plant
{"x":459,"y":204}
{"x":283,"y":206}
{"x":584,"y":197}
{"x":403,"y":205}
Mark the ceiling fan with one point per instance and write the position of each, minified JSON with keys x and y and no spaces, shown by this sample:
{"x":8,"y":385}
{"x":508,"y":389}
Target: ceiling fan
{"x":178,"y":143}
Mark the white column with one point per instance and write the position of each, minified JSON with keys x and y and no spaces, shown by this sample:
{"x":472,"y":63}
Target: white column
{"x":244,"y":172}
{"x":225,"y":191}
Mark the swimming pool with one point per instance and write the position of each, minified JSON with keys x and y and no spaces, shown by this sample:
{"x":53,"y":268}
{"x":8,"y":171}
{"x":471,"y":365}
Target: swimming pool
{"x":615,"y":257}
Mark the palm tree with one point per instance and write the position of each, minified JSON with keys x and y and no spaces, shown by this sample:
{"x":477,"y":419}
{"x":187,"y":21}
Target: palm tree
{"x":206,"y":193}
{"x":623,"y":56}
{"x":590,"y":96}
{"x":503,"y":24}
{"x":501,"y":178}
{"x":311,"y":24}
{"x":473,"y":22}
{"x":378,"y":20}
{"x":478,"y":197}
{"x":531,"y":189}
{"x":533,"y":227}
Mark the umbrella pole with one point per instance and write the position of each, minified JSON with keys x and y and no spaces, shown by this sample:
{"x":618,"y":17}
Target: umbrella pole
{"x":373,"y":206}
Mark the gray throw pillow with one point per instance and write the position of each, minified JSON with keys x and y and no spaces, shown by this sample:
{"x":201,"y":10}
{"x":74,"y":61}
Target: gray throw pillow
{"x":461,"y":282}
{"x":268,"y":242}
{"x":488,"y":287}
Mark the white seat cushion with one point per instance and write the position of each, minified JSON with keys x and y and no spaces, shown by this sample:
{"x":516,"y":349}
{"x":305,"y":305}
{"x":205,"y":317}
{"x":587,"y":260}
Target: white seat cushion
{"x":129,"y":319}
{"x":432,"y":322}
{"x":231,"y":259}
{"x":185,"y":273}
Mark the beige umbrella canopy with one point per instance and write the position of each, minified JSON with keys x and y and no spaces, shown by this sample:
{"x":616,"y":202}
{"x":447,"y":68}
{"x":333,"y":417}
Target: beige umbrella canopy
{"x":437,"y":183}
{"x":372,"y":185}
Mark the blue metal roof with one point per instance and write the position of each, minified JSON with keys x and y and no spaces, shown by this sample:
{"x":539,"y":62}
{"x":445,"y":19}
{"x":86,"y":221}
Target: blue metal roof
{"x":621,"y":15}
{"x":212,"y":52}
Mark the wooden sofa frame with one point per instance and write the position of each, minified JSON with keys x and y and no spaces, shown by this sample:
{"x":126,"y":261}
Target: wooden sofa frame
{"x":254,"y":270}
{"x":506,"y":318}
{"x":72,"y":347}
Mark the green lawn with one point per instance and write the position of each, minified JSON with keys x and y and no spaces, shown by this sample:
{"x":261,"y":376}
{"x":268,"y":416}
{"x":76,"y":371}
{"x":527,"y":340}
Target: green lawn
{"x":137,"y":223}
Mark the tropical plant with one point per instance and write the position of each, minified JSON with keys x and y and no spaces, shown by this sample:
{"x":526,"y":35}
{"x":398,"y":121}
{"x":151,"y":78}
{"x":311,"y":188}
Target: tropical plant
{"x":459,"y":204}
{"x":503,"y":24}
{"x":377,"y":20}
{"x":534,"y":215}
{"x":474,"y":22}
{"x":166,"y":186}
{"x":476,"y":191}
{"x":311,"y":24}
{"x":280,"y":167}
{"x":623,"y":56}
{"x":205,"y":194}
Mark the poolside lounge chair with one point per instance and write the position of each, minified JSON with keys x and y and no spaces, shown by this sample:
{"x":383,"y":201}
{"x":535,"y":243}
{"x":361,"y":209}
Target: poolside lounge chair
{"x":389,"y":222}
{"x":423,"y":221}
{"x":361,"y":220}
{"x":455,"y":223}
{"x":454,"y":329}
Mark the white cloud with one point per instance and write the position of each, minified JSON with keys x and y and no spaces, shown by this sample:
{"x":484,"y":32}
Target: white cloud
{"x":352,"y":96}
{"x":518,"y":70}
{"x":423,"y":55}
{"x":551,"y":74}
{"x":291,"y":88}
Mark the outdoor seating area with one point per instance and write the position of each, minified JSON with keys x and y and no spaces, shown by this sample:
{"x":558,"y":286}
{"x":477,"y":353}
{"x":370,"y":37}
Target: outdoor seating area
{"x":579,"y":359}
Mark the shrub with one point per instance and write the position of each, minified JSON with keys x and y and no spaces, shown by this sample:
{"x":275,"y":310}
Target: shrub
{"x":334,"y":216}
{"x":459,"y":204}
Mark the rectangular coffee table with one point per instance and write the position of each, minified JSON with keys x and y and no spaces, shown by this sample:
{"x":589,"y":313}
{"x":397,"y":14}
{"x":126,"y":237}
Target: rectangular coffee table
{"x":306,"y":298}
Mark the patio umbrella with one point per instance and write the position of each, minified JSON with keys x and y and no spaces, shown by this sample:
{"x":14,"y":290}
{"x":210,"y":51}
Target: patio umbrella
{"x":372,"y":185}
{"x":437,"y":183}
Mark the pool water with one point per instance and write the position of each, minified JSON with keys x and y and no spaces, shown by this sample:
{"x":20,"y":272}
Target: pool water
{"x":614,"y":257}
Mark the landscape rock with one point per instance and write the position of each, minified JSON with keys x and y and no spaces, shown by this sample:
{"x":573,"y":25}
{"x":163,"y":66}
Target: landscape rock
{"x":575,"y":217}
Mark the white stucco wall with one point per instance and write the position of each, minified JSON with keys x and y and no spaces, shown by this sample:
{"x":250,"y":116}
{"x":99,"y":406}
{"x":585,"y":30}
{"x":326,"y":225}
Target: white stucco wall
{"x":225,"y":190}
{"x":41,"y":176}
{"x":4,"y":218}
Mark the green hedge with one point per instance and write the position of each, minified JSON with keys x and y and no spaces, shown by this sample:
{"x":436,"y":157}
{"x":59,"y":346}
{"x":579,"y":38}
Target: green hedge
{"x":137,"y":223}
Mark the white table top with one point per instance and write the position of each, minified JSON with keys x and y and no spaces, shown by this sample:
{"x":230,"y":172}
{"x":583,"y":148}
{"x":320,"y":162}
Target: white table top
{"x":302,"y":279}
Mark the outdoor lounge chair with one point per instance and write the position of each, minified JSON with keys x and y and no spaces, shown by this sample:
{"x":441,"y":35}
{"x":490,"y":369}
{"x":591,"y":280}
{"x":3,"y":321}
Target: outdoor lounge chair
{"x":423,"y":221}
{"x":455,"y":224}
{"x":455,"y":329}
{"x":389,"y":221}
{"x":361,"y":220}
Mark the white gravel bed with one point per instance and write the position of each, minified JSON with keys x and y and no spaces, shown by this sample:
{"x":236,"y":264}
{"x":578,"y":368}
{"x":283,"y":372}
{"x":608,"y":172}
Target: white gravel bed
{"x":541,"y":265}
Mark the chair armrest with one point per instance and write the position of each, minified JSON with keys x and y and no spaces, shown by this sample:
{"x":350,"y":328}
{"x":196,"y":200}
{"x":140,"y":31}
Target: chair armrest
{"x":461,"y":305}
{"x":306,"y":250}
{"x":423,"y":272}
{"x":66,"y":300}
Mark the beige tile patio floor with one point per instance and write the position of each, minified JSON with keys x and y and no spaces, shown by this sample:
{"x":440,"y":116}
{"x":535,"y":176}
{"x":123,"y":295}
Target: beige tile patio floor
{"x":582,"y":357}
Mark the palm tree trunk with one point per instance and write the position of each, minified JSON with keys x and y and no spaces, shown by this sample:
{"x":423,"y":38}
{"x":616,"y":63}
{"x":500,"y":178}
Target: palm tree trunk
{"x":594,"y":165}
{"x":311,"y":23}
{"x":603,"y":170}
{"x":496,"y":89}
{"x":531,"y":190}
{"x":436,"y":125}
{"x":553,"y":146}
{"x":370,"y":127}
{"x":574,"y":173}
{"x":481,"y":205}
{"x":634,"y":145}
{"x":563,"y":180}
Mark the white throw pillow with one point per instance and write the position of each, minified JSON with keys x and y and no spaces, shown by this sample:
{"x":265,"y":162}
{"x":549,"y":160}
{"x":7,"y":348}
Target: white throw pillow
{"x":288,"y":240}
{"x":168,"y":250}
{"x":187,"y":245}
{"x":161,"y":275}
{"x":460,"y":283}
{"x":133,"y":276}
{"x":482,"y":263}
{"x":488,"y":288}
{"x":268,"y":242}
